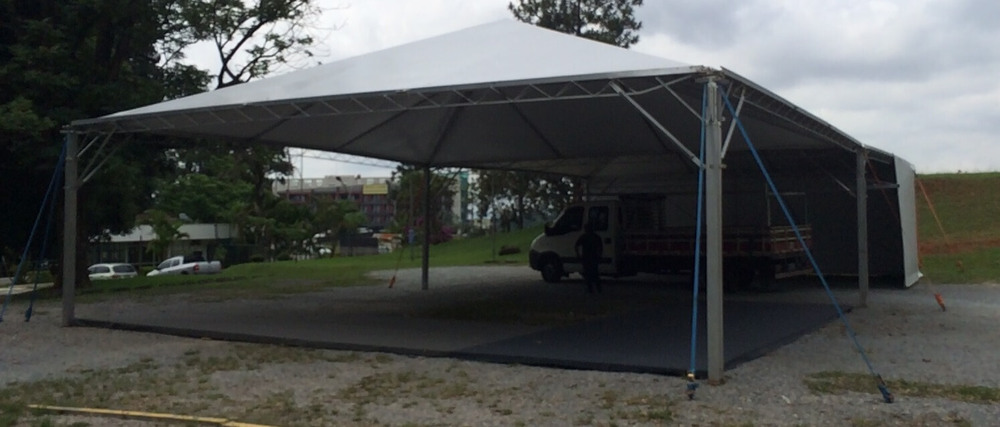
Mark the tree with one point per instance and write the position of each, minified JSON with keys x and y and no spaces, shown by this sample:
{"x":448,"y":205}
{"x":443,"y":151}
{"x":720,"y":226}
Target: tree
{"x":511,"y":198}
{"x":349,"y":227}
{"x":250,"y":37}
{"x":62,"y":60}
{"x":608,"y":21}
{"x":201,"y":197}
{"x":408,"y":197}
{"x":167,"y":230}
{"x":330,"y":217}
{"x":290,"y":228}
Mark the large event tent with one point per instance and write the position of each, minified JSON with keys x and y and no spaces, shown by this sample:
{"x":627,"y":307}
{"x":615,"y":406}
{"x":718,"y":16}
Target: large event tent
{"x":508,"y":95}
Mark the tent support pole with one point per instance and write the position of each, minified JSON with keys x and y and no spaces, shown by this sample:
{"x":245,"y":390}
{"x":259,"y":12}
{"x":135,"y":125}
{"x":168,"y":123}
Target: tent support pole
{"x":426,"y":258}
{"x":713,"y":234}
{"x":69,"y":230}
{"x":862,"y":202}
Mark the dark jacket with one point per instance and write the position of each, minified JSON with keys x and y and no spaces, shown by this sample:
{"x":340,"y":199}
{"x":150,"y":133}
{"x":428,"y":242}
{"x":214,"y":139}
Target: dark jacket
{"x":589,"y":247}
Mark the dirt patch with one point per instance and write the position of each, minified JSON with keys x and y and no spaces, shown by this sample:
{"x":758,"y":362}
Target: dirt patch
{"x":942,"y":247}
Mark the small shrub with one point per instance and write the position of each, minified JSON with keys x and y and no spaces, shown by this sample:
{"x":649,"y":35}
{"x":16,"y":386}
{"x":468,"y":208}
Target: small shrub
{"x":509,"y":250}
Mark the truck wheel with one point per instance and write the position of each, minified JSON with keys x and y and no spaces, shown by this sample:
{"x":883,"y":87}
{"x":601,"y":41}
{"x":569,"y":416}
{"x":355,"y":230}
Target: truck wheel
{"x":552,"y":271}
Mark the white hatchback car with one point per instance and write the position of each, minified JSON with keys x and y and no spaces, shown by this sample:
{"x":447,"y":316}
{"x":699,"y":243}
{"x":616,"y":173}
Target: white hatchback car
{"x":111,"y":271}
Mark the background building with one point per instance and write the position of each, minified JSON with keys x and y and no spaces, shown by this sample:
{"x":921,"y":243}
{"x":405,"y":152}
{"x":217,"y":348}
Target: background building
{"x":370,"y":194}
{"x":214,"y":241}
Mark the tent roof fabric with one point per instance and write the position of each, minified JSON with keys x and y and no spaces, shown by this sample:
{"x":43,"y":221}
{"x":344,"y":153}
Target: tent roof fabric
{"x":500,"y":95}
{"x":504,"y":51}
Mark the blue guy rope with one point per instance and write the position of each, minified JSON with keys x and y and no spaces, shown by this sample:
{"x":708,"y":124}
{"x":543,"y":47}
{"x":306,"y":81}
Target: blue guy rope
{"x":692,"y":386}
{"x":883,"y":388}
{"x":56,"y":177}
{"x":34,"y":228}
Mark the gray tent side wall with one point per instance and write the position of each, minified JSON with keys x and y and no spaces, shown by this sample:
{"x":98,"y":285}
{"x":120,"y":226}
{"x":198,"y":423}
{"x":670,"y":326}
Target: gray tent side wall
{"x":818,"y":188}
{"x":892,"y":242}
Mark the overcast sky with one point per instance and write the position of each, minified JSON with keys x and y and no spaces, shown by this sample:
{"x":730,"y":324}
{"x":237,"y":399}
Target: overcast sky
{"x":917,"y":78}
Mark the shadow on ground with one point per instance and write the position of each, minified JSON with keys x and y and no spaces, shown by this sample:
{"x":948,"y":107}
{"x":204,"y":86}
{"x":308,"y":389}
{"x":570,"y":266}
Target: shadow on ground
{"x":635,"y":325}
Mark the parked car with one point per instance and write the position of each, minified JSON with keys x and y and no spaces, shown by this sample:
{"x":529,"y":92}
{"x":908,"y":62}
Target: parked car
{"x":186,"y":265}
{"x":111,"y":271}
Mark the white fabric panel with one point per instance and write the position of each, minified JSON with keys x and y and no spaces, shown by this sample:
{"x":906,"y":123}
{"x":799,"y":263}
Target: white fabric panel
{"x":905,"y":177}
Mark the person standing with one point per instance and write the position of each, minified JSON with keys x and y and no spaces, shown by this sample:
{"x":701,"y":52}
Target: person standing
{"x":589,"y":249}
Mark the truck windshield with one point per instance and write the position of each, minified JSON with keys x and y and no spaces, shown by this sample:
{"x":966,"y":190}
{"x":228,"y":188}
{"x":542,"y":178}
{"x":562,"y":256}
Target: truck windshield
{"x":598,"y":218}
{"x":570,"y":220}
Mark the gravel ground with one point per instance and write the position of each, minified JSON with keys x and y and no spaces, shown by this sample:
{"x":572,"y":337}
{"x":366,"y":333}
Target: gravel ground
{"x":906,"y":336}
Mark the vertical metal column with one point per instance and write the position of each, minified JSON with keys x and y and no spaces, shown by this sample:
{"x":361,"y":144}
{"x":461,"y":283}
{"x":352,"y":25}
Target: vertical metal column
{"x":424,"y":271}
{"x":69,"y":231}
{"x":713,"y":234}
{"x":413,"y":224}
{"x":862,"y":202}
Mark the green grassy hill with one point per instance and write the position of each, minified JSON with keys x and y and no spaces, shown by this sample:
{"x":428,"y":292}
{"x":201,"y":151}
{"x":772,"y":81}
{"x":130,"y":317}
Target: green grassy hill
{"x":962,"y":243}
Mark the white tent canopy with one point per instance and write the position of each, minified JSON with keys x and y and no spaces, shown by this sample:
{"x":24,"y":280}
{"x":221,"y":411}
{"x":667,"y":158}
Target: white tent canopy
{"x":513,"y":96}
{"x":504,"y":94}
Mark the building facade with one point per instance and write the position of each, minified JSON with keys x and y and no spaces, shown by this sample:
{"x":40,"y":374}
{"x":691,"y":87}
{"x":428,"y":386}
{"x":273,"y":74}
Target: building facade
{"x":212,"y":240}
{"x":371,"y":194}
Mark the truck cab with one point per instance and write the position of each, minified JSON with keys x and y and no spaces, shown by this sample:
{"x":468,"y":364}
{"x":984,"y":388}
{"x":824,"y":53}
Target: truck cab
{"x":195,"y":264}
{"x":553,"y":253}
{"x":654,"y":234}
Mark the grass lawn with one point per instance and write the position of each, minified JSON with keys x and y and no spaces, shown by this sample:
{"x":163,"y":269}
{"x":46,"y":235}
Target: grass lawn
{"x":968,"y":207}
{"x":283,"y":277}
{"x":958,"y":227}
{"x":958,"y":231}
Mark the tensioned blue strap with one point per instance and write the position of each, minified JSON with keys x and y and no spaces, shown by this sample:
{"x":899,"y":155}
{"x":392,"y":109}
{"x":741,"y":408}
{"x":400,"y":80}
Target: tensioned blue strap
{"x":34,"y":228}
{"x":886,"y":394}
{"x":697,"y":252}
{"x":56,"y":177}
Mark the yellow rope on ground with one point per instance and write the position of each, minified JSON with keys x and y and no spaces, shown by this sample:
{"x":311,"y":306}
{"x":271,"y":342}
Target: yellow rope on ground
{"x":151,"y":416}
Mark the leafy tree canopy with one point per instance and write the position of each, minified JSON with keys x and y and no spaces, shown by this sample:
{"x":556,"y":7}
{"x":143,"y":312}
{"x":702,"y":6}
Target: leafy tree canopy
{"x":512,"y":198}
{"x":608,"y":21}
{"x":63,"y":60}
{"x":408,"y":194}
{"x":201,"y":197}
{"x":250,"y":37}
